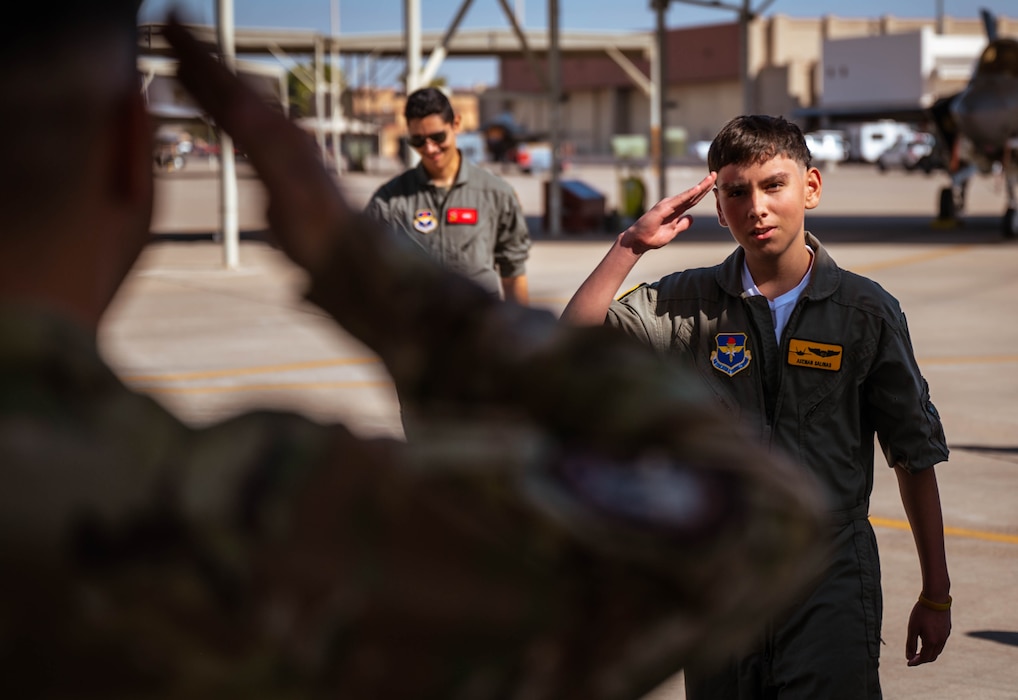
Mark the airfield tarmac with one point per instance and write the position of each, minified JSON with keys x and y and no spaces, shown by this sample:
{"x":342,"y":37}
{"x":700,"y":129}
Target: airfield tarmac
{"x":210,"y":342}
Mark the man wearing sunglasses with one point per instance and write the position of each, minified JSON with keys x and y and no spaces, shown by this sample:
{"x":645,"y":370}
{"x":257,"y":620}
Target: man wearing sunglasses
{"x":469,"y":219}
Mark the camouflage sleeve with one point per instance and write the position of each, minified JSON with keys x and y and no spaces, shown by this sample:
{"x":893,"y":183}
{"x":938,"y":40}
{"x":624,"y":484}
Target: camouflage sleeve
{"x":570,"y":521}
{"x":553,"y":470}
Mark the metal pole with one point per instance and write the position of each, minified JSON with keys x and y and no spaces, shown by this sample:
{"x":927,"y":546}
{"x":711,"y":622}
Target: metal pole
{"x":659,"y":100}
{"x":412,"y":20}
{"x":229,"y":227}
{"x":320,"y":96}
{"x":748,"y":92}
{"x":337,"y":108}
{"x":412,"y":10}
{"x":555,"y":97}
{"x":522,"y":37}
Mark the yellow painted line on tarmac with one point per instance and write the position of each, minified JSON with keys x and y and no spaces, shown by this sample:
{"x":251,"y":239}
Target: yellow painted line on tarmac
{"x":263,"y":387}
{"x":949,"y":531}
{"x":859,"y":269}
{"x":912,"y":259}
{"x":977,"y":360}
{"x":244,"y":371}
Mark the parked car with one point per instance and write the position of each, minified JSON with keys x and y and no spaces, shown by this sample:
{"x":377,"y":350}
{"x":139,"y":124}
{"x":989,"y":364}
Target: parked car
{"x":909,"y":152}
{"x":472,"y":145}
{"x":700,"y":149}
{"x":868,"y":140}
{"x":827,"y":146}
{"x":533,"y":156}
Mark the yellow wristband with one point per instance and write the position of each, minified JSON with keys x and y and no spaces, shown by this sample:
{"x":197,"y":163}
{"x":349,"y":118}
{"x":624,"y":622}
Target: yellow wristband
{"x":939,"y":607}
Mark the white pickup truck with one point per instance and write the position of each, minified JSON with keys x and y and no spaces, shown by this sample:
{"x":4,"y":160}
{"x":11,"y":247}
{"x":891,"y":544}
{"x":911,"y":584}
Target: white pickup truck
{"x":827,"y":146}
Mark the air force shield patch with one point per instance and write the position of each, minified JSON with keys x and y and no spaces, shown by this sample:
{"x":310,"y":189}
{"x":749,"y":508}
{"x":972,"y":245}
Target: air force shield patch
{"x":425,"y":221}
{"x":731,"y":356}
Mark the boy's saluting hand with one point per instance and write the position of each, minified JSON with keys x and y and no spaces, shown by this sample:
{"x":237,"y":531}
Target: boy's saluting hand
{"x":666,"y":219}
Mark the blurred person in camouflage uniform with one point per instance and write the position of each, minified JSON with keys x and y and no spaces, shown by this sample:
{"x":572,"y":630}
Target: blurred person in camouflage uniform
{"x":574,"y":521}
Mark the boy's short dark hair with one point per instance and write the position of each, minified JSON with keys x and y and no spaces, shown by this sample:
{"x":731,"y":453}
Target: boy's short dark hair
{"x":427,"y":101}
{"x":756,"y":138}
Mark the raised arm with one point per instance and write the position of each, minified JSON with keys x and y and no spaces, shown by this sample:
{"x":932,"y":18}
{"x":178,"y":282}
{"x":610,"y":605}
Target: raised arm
{"x":654,"y":229}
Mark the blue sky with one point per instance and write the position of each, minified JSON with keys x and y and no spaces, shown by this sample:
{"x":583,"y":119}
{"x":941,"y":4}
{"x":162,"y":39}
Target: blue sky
{"x":362,"y":16}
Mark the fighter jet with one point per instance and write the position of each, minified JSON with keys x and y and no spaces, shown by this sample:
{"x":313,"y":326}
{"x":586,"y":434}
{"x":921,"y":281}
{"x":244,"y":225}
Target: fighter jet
{"x":979,"y":127}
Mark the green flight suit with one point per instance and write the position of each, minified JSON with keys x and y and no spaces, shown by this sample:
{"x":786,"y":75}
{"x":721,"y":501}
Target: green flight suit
{"x":476,"y":227}
{"x":844,"y":370}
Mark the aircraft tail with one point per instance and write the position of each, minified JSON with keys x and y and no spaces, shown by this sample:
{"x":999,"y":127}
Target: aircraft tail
{"x":989,"y":24}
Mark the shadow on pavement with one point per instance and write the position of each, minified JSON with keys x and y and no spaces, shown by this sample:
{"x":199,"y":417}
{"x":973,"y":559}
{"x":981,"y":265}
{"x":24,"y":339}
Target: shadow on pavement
{"x":834,"y":229}
{"x":1004,"y":453}
{"x":263,"y":235}
{"x":1001,"y":637}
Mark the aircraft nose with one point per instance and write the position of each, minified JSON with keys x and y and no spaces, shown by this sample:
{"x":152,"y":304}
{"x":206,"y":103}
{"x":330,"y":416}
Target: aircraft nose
{"x":987,"y":111}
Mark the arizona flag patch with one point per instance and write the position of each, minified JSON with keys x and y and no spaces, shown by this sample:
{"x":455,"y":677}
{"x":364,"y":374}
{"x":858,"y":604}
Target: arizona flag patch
{"x":731,"y":356}
{"x":461,"y":216}
{"x":425,"y":221}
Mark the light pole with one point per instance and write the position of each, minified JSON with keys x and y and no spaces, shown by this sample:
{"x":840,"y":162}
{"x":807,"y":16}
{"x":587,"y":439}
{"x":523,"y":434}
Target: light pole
{"x":659,"y":98}
{"x":227,"y":162}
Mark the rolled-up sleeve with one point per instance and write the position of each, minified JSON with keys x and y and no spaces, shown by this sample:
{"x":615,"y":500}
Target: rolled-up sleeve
{"x":905,"y":419}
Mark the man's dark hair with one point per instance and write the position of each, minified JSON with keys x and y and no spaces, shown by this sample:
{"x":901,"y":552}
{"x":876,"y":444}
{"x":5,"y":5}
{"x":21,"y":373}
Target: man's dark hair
{"x":427,"y":101}
{"x":757,"y":138}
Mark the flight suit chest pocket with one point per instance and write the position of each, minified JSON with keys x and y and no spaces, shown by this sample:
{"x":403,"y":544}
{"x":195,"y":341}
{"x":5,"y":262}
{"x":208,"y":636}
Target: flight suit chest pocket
{"x":821,"y":374}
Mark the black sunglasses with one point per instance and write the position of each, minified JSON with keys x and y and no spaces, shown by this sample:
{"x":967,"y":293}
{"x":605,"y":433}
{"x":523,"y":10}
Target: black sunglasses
{"x":437,"y":138}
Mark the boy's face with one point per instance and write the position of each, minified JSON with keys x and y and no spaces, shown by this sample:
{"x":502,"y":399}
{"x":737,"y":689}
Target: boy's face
{"x":439,"y":141}
{"x":764,"y":204}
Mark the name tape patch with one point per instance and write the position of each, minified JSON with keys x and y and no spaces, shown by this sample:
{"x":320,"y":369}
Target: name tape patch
{"x":807,"y":353}
{"x":461,"y":216}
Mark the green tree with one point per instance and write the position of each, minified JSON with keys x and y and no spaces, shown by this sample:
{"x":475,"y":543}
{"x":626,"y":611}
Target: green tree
{"x":300,"y":88}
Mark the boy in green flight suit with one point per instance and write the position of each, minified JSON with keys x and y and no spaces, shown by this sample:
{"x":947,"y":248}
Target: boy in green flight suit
{"x":815,"y":360}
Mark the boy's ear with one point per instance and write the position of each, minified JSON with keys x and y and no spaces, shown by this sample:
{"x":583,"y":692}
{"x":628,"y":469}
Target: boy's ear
{"x":721,"y":214}
{"x":814,"y":186}
{"x":456,"y":123}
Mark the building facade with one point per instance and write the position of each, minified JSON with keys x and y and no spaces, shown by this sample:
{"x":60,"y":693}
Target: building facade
{"x":703,"y":69}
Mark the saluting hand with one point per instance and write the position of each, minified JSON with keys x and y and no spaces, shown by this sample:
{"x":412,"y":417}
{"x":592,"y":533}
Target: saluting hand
{"x":666,"y":219}
{"x":305,"y":203}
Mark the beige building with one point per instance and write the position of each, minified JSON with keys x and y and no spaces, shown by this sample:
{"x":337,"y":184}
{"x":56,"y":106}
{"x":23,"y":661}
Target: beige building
{"x":384,"y":107}
{"x":703,"y":71}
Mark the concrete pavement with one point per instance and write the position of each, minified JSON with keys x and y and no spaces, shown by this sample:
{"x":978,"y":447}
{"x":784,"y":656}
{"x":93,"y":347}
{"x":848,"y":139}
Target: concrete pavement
{"x":210,"y":342}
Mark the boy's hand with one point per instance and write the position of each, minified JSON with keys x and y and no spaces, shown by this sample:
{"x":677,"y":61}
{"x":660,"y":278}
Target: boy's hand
{"x":666,"y":219}
{"x":933,"y":627}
